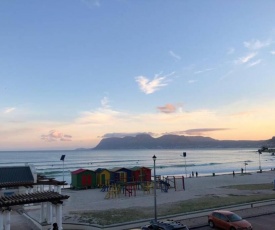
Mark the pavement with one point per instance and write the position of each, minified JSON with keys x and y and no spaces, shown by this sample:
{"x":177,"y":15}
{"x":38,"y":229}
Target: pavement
{"x":94,"y":200}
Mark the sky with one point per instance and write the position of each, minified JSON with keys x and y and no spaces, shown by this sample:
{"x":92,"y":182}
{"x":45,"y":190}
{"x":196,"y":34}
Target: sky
{"x":73,"y":72}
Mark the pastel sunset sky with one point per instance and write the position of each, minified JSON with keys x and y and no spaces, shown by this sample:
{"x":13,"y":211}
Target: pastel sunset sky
{"x":76,"y":71}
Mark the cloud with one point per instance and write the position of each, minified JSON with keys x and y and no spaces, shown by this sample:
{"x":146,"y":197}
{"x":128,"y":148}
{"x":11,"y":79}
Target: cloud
{"x":105,"y":102}
{"x":168,"y":108}
{"x":91,"y":3}
{"x":148,"y":86}
{"x":203,"y":130}
{"x":231,"y":51}
{"x":55,"y":136}
{"x":192,"y":81}
{"x":245,"y":59}
{"x":199,"y":132}
{"x":203,"y":71}
{"x":175,"y":56}
{"x":254,"y":63}
{"x":9,"y":110}
{"x":272,"y":52}
{"x":256,"y":44}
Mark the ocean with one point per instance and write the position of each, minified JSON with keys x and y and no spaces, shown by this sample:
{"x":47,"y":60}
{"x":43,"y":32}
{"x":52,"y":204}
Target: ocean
{"x":168,"y":162}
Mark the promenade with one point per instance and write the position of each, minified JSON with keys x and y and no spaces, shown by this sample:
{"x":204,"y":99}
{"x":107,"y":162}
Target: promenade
{"x":93,"y":200}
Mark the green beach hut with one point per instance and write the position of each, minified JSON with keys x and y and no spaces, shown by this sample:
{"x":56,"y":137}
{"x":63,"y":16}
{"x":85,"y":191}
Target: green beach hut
{"x":83,"y":179}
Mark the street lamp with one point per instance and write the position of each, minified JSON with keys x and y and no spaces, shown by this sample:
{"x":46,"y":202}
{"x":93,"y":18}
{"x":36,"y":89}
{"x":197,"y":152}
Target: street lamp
{"x":62,"y":159}
{"x":260,"y":152}
{"x":245,"y":164}
{"x":184,"y":155}
{"x":155,"y":194}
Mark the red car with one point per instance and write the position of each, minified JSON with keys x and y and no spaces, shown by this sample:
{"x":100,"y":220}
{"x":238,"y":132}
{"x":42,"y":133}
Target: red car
{"x":228,"y":221}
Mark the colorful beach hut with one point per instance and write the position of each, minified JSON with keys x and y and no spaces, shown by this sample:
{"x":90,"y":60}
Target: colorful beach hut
{"x":83,"y":178}
{"x":141,"y":174}
{"x":122,"y":174}
{"x":104,"y":177}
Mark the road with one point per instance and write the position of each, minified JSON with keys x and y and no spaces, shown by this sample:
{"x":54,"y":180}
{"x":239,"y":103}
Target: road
{"x":264,"y":222}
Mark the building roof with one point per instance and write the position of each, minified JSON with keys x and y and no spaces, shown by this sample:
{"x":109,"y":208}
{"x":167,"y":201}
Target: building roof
{"x":81,"y":170}
{"x":99,"y":170}
{"x":37,"y":197}
{"x":16,"y":174}
{"x":117,"y":169}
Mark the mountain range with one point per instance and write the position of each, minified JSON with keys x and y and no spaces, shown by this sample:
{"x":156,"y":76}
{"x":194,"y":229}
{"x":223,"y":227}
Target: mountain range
{"x":145,"y":141}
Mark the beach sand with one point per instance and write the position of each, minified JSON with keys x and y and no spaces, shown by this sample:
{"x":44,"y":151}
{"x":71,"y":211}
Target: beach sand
{"x":195,"y":187}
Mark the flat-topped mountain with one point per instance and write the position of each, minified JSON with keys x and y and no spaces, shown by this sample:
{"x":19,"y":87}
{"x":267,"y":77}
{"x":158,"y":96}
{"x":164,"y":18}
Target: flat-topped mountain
{"x":145,"y":141}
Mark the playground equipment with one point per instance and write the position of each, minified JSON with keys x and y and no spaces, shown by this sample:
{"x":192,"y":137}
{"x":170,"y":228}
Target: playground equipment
{"x":146,"y":187}
{"x":176,"y":182}
{"x":129,"y":189}
{"x":113,"y":192}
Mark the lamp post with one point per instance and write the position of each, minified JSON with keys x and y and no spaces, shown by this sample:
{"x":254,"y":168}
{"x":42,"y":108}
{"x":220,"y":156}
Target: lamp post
{"x":245,"y":164}
{"x":184,"y":155}
{"x":260,"y":152}
{"x":155,"y":194}
{"x":62,"y":159}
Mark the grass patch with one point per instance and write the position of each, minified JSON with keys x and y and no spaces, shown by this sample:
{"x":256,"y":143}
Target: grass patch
{"x":268,"y":186}
{"x":114,"y":216}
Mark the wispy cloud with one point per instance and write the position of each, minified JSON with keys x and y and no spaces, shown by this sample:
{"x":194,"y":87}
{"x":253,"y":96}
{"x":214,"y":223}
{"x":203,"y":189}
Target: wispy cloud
{"x":175,"y":56}
{"x":202,"y":131}
{"x":105,"y":102}
{"x":245,"y":59}
{"x":231,"y":50}
{"x":192,"y":81}
{"x":272,"y":52}
{"x":54,"y":135}
{"x":203,"y":71}
{"x":168,"y":108}
{"x":199,"y":131}
{"x":9,"y":110}
{"x":150,"y":86}
{"x":256,"y":44}
{"x":92,"y":3}
{"x":254,"y":63}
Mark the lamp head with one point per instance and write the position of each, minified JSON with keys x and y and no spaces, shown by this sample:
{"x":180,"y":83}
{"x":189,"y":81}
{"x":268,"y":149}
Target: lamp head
{"x":154,"y":157}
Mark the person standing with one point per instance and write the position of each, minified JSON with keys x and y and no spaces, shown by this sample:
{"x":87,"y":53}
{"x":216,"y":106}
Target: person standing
{"x":233,"y":173}
{"x":55,"y":226}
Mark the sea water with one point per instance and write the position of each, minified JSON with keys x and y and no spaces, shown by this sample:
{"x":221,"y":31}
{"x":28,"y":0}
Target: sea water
{"x":168,"y":162}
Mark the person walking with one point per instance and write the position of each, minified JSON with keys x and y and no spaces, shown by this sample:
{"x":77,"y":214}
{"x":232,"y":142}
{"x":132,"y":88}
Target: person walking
{"x":55,"y":226}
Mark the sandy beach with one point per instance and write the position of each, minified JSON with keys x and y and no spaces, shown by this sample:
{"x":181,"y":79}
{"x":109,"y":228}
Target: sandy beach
{"x":196,"y":187}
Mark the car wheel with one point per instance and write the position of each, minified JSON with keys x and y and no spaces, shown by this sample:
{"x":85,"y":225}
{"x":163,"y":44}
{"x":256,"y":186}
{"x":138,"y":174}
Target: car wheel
{"x":232,"y":228}
{"x":211,"y":224}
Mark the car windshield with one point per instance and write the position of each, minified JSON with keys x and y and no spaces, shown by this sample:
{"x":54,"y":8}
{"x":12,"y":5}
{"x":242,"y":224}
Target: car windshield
{"x":234,"y":217}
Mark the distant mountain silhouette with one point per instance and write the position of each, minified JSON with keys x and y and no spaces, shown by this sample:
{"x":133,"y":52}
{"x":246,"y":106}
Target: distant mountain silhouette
{"x":145,"y":141}
{"x":270,"y":143}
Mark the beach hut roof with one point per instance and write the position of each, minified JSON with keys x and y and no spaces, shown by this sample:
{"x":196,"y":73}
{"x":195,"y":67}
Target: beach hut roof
{"x":80,"y":171}
{"x":99,"y":170}
{"x":136,"y":168}
{"x":115,"y":169}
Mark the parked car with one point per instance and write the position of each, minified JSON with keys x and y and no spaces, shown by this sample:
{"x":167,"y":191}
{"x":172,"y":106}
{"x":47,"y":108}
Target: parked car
{"x":228,"y":221}
{"x":165,"y":225}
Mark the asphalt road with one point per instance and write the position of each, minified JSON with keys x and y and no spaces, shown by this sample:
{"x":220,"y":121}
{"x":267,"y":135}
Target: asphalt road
{"x":264,"y":222}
